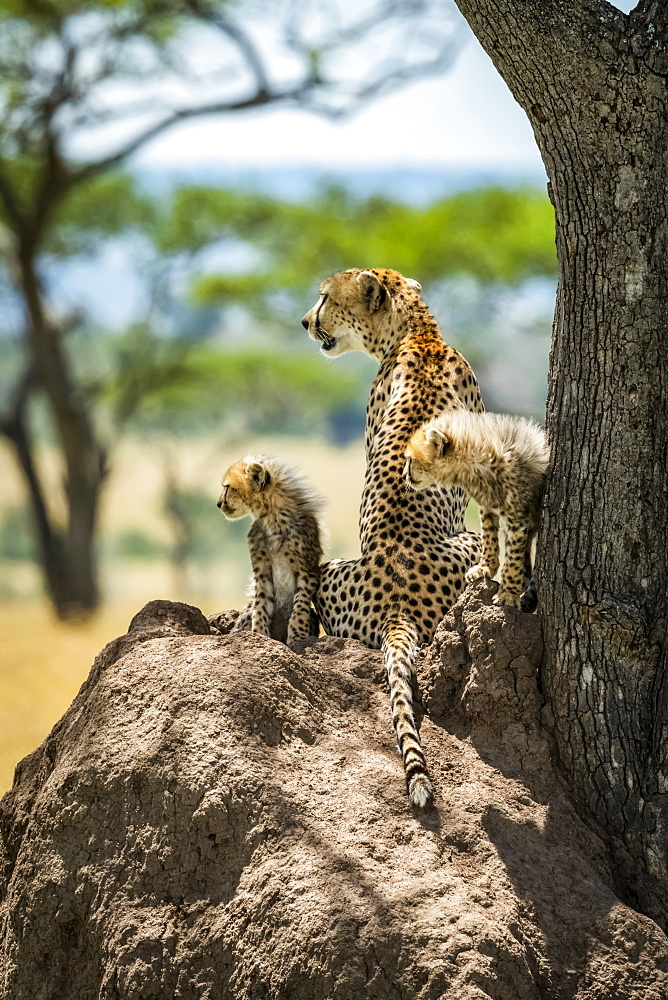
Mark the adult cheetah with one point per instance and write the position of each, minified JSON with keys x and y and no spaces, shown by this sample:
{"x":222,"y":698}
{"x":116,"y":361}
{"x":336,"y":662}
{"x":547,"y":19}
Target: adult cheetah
{"x":415,"y":552}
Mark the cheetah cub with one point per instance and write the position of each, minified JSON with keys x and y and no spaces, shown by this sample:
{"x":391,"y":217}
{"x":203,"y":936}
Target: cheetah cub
{"x":284,"y":542}
{"x":501,"y":462}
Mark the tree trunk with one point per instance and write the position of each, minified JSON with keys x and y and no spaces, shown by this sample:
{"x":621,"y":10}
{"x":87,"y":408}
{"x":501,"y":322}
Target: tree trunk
{"x":70,"y":577}
{"x":49,"y":540}
{"x":593,"y":83}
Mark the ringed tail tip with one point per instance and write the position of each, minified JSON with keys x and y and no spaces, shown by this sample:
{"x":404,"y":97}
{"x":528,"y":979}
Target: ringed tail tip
{"x":420,"y":791}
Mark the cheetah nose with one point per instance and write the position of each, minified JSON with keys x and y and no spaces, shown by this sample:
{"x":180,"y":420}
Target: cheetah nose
{"x":219,"y":505}
{"x":305,"y":323}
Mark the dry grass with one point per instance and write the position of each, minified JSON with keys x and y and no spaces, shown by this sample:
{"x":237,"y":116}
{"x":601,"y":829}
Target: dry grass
{"x":44,"y":662}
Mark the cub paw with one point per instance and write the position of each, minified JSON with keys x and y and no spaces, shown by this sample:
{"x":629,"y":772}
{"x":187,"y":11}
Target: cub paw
{"x":295,"y":638}
{"x":477,"y":572}
{"x":529,"y":601}
{"x":507,"y":598}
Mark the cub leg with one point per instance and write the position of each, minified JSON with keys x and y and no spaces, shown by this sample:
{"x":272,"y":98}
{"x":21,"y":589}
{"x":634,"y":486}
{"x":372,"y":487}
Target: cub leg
{"x":299,"y":625}
{"x":510,"y":591}
{"x":529,"y":600}
{"x":263,"y":597}
{"x":489,"y":563}
{"x":245,"y":620}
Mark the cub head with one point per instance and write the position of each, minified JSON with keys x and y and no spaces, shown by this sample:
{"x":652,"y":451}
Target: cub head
{"x":354,"y":308}
{"x":243,"y":486}
{"x":426,"y":455}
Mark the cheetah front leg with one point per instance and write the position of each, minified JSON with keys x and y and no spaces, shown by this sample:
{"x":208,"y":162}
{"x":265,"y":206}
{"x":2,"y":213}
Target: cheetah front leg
{"x":489,"y":562}
{"x":510,"y":591}
{"x":300,"y":619}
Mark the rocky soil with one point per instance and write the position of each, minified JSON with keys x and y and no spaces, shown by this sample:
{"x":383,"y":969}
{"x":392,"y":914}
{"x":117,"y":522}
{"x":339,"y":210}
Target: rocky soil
{"x":218,"y":818}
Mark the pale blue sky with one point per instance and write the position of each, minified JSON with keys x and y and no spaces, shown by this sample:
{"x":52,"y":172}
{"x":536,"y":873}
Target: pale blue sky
{"x":465,"y":118}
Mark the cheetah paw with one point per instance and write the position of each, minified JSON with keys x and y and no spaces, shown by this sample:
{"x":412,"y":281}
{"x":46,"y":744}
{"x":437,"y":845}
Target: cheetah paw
{"x":507,"y":598}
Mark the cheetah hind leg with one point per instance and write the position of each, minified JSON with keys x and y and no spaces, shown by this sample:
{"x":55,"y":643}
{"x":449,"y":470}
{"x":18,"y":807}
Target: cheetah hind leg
{"x":338,"y":614}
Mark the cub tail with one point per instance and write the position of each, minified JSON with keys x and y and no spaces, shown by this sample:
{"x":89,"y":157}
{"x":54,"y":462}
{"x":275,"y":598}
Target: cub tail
{"x":400,"y":647}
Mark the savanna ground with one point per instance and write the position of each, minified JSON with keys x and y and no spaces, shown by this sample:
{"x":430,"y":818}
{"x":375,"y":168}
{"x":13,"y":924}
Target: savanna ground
{"x":43,"y":661}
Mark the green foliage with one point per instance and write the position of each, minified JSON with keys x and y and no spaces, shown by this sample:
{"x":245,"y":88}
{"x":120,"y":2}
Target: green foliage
{"x":16,"y":535}
{"x":491,"y":234}
{"x":139,"y":545}
{"x":104,"y":206}
{"x":197,"y":216}
{"x":252,"y":388}
{"x":278,"y":381}
{"x":196,"y":525}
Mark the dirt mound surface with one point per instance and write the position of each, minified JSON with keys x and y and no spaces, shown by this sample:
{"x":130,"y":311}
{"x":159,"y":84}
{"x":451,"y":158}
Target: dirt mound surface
{"x":218,"y":818}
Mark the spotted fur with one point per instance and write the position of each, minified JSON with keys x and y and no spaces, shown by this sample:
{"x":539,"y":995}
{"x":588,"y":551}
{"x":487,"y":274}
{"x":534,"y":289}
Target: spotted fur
{"x":284,"y":543}
{"x":500,"y":461}
{"x":415,"y":551}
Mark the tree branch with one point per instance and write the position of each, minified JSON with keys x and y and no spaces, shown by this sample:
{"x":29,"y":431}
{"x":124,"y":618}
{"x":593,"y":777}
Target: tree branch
{"x":15,"y":215}
{"x":13,"y":426}
{"x":259,"y":99}
{"x":384,"y":83}
{"x":241,"y":39}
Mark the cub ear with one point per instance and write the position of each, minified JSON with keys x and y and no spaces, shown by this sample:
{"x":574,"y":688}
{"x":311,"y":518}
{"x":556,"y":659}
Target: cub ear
{"x":439,"y":441}
{"x":373,"y":292}
{"x":258,"y":476}
{"x":412,"y":283}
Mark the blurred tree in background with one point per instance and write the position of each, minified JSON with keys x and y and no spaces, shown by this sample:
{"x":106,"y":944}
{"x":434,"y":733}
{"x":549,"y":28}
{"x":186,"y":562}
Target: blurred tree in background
{"x":82,"y":87}
{"x":226,"y":276}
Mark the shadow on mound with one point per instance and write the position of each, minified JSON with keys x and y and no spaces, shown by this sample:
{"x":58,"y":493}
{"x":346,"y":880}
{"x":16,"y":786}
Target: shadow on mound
{"x":218,"y":817}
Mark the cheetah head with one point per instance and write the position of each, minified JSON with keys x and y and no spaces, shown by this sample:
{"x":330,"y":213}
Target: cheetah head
{"x":242,"y":485}
{"x":426,"y":453}
{"x":355,"y":310}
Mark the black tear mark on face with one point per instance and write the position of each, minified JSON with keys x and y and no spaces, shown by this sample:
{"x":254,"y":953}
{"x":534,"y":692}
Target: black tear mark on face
{"x":322,"y":335}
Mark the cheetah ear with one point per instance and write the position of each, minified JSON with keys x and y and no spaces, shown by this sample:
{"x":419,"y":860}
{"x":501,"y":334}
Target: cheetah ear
{"x":440,"y":441}
{"x":373,"y":292}
{"x":259,"y":477}
{"x":412,"y":283}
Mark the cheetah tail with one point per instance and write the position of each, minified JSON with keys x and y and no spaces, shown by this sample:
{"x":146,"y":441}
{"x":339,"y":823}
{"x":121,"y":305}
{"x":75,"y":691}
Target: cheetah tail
{"x":400,"y":646}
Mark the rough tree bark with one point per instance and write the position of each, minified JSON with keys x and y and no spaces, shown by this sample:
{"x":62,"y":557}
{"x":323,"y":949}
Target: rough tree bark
{"x":592,"y":81}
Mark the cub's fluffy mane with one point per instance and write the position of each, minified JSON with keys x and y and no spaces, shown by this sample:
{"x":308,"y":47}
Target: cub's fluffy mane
{"x":478,"y":436}
{"x":283,"y":479}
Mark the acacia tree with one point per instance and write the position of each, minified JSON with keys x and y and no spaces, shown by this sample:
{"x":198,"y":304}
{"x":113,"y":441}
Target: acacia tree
{"x":85,"y":85}
{"x":592,"y":81}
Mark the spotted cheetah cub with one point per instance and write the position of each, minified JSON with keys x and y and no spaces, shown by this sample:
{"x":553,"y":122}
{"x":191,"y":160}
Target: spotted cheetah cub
{"x":501,"y":462}
{"x":284,"y":542}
